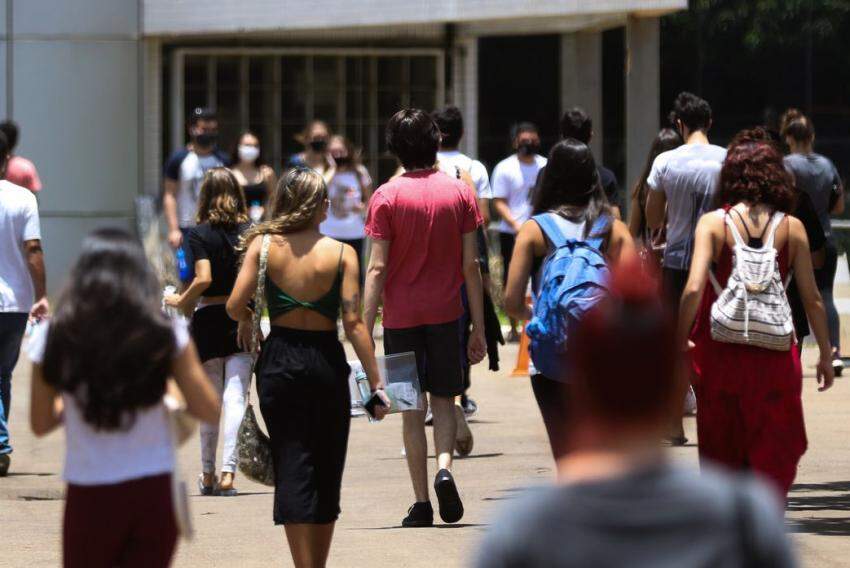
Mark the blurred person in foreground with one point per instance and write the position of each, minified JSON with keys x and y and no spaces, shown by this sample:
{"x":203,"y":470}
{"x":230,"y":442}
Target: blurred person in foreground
{"x":619,"y":501}
{"x":19,"y":170}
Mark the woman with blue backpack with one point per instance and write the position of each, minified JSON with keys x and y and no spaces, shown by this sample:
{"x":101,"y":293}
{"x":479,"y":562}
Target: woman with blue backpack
{"x":565,"y":250}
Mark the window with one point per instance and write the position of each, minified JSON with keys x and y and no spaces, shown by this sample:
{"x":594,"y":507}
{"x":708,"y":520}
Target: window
{"x":275,"y":92}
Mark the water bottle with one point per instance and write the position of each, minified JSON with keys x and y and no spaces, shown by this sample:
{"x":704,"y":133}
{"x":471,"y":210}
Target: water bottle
{"x":255,"y":211}
{"x":182,"y":265}
{"x":363,"y":385}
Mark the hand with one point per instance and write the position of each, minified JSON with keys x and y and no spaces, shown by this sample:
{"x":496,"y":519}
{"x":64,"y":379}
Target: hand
{"x":39,"y":310}
{"x":825,"y":373}
{"x":172,"y":301}
{"x":381,"y":410}
{"x":477,"y":348}
{"x":245,"y":336}
{"x":175,"y":238}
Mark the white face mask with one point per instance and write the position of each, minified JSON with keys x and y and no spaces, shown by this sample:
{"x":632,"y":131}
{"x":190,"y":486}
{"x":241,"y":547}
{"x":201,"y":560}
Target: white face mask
{"x":248,"y":153}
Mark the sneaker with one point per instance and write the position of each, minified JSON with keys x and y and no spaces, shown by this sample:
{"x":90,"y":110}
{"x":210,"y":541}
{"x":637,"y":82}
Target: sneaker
{"x":429,"y":418}
{"x":463,"y":440}
{"x":451,"y":507}
{"x":420,"y":514}
{"x":5,"y":461}
{"x":470,"y":407}
{"x":837,"y":366}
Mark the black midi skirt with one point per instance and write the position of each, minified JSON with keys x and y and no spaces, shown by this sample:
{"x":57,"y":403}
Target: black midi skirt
{"x":302,"y":383}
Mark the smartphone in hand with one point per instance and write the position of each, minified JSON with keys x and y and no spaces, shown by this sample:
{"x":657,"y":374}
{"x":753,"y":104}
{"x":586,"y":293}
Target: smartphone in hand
{"x":372,"y":403}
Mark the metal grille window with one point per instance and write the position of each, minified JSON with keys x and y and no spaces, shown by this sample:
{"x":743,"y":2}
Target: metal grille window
{"x":276,"y":92}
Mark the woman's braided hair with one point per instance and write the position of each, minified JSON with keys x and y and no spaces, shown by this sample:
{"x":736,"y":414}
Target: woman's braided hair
{"x":298,"y":198}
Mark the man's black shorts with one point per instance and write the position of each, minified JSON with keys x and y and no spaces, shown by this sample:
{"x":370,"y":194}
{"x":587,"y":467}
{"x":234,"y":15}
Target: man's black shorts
{"x":438,"y":355}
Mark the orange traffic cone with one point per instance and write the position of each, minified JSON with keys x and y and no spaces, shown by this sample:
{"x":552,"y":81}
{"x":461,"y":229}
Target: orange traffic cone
{"x":522,"y":358}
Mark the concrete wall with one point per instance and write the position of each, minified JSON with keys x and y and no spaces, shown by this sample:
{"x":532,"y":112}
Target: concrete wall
{"x":73,"y":86}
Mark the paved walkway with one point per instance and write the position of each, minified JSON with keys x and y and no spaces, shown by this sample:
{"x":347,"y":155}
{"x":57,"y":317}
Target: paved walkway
{"x":510,"y":453}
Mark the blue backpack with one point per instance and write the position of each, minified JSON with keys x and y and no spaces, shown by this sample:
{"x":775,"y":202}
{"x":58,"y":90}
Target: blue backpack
{"x":573,"y":280}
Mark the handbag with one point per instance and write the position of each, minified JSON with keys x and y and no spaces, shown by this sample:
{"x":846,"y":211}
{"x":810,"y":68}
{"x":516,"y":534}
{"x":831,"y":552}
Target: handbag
{"x":253,"y":447}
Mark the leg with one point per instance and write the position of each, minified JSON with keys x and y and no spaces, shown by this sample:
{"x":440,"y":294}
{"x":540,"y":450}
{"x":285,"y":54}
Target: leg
{"x":94,"y":512}
{"x":153,"y":537}
{"x":673,"y":284}
{"x":445,"y":359}
{"x":445,"y":429}
{"x":12,"y":328}
{"x":552,"y":400}
{"x":209,"y":432}
{"x":719,"y":429}
{"x":309,"y":544}
{"x":825,"y":280}
{"x":416,"y":448}
{"x":237,"y":381}
{"x":506,"y":247}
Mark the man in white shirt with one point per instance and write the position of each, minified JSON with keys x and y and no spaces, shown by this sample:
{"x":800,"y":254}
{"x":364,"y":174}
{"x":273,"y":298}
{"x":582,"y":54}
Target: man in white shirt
{"x":513,"y":179}
{"x":23,"y":293}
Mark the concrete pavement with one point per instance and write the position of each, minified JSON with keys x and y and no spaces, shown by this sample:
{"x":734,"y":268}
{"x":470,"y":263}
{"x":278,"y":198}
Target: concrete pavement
{"x":510,"y":453}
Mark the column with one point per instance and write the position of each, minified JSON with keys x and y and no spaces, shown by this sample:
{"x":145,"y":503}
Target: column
{"x":581,"y":79}
{"x":465,"y":91}
{"x":643,"y":116}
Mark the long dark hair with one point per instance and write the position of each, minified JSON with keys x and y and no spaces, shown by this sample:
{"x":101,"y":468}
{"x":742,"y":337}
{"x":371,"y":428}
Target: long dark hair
{"x":570,"y":185}
{"x":667,"y":139}
{"x":109,"y":343}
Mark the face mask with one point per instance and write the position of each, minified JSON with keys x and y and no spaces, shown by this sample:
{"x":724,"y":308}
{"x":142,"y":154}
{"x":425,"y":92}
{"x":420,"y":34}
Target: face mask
{"x":248,"y":153}
{"x":205,"y":140}
{"x":528,"y":148}
{"x":342,"y":160}
{"x":318,"y":145}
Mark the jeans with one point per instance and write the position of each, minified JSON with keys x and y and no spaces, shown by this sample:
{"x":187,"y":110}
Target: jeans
{"x":231,"y":378}
{"x":12,"y":328}
{"x":825,"y":278}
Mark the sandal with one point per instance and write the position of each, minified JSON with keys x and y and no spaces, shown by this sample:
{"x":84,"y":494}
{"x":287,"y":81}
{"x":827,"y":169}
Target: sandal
{"x":206,"y":489}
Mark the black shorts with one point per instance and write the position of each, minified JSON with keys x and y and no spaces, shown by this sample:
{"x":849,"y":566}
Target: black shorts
{"x":438,"y":350}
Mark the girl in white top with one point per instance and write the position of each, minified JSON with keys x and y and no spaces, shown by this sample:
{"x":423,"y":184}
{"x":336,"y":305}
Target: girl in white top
{"x":349,"y":191}
{"x":100,"y":369}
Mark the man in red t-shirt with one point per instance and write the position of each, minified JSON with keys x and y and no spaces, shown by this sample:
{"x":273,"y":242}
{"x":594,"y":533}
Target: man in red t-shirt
{"x":424,"y":248}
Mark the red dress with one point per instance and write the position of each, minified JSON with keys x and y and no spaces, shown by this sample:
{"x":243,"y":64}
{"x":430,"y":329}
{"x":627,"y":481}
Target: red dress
{"x":750,"y":411}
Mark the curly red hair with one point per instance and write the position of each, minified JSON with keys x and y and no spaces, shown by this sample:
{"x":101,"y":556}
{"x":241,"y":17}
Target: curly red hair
{"x":754,"y":172}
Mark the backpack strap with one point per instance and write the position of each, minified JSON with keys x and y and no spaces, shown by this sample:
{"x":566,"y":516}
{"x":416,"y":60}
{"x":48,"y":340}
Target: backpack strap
{"x":774,"y":225}
{"x":598,"y":232}
{"x":733,"y":228}
{"x":550,"y":229}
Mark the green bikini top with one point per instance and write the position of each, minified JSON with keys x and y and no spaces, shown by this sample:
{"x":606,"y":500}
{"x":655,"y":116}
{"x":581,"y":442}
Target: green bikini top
{"x":279,"y":302}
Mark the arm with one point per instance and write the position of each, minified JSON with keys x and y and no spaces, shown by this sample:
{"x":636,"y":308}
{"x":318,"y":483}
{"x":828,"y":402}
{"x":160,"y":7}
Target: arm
{"x":201,"y":399}
{"x":35,"y":264}
{"x":169,"y":210}
{"x":501,"y":206}
{"x":376,"y":276}
{"x":530,"y":237}
{"x":621,"y":245}
{"x":700,"y":264}
{"x":656,"y":208}
{"x":475,"y":293}
{"x":812,"y":301}
{"x":635,"y":217}
{"x":45,"y":404}
{"x":202,"y":281}
{"x":838,"y":208}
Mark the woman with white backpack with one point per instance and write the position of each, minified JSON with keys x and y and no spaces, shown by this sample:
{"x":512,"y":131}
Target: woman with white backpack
{"x":746,"y":368}
{"x":569,"y":207}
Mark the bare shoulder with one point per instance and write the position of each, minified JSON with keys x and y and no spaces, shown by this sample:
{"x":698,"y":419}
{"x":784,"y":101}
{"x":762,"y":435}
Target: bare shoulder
{"x":267,"y":172}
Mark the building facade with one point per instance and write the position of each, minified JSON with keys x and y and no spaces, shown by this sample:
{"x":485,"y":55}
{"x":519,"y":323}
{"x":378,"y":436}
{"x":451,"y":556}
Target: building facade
{"x":101,"y":88}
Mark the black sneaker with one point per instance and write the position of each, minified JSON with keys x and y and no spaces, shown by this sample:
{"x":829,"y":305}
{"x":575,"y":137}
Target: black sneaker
{"x":420,"y":514}
{"x":451,"y":508}
{"x":5,"y":460}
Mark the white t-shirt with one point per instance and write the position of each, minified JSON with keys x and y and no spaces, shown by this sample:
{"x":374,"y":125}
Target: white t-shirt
{"x":103,"y":457}
{"x":448,"y":161}
{"x":512,"y":181}
{"x":345,"y":192}
{"x":18,"y":224}
{"x":188,"y":168}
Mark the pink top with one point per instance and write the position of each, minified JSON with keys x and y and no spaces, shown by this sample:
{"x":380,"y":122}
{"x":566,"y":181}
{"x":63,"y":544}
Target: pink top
{"x":424,"y":215}
{"x":22,"y":172}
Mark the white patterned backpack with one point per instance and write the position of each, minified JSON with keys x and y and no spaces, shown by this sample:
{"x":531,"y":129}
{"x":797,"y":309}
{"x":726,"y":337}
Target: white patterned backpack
{"x":753,"y":309}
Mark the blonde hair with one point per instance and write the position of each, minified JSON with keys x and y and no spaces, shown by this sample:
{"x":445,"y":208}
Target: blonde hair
{"x":222,"y":200}
{"x":298,"y":198}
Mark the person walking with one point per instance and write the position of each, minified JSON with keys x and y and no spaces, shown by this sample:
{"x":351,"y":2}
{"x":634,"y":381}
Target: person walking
{"x":619,"y":500}
{"x":424,"y":248}
{"x":106,"y":387}
{"x":513,"y":179}
{"x":222,"y":218}
{"x":302,"y":373}
{"x":748,"y":377}
{"x":573,"y":201}
{"x":23,"y":292}
{"x":256,"y":179}
{"x":349,"y":191}
{"x":667,"y":139}
{"x":315,"y":138}
{"x":19,"y":170}
{"x":682,"y":183}
{"x":183,"y":175}
{"x":817,"y":176}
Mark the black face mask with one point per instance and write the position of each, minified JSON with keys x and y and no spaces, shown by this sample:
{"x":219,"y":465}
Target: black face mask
{"x":318,"y":145}
{"x":343,"y":160}
{"x":528,"y":149}
{"x":206,"y":140}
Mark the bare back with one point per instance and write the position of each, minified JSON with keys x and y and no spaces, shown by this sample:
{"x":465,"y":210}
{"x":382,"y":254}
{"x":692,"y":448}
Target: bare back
{"x":304,"y":265}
